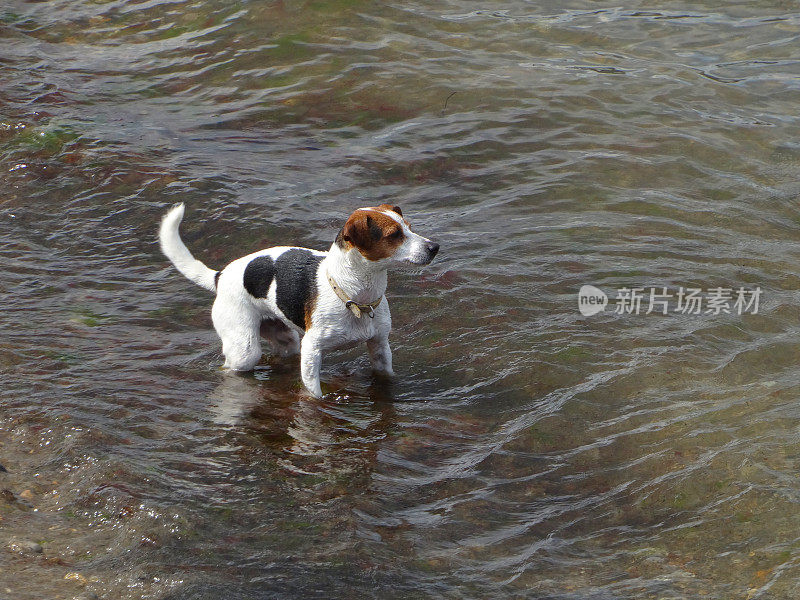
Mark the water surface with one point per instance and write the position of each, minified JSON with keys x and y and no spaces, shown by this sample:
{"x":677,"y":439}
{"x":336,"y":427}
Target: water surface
{"x":524,"y":450}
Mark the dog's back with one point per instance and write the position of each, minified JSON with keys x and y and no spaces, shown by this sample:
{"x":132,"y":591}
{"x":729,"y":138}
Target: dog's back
{"x":279,"y":281}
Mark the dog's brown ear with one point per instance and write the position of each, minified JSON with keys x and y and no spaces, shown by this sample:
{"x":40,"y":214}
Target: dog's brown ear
{"x":372,"y":233}
{"x":361,"y":231}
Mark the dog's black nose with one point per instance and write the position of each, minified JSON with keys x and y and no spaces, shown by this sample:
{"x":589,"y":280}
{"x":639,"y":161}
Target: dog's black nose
{"x":432,"y":248}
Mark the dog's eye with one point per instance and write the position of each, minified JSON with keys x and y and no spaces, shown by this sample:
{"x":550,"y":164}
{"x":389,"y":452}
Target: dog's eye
{"x":396,"y":234}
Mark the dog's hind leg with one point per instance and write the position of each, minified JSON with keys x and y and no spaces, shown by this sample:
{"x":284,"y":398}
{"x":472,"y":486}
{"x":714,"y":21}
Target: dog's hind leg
{"x":237,"y":325}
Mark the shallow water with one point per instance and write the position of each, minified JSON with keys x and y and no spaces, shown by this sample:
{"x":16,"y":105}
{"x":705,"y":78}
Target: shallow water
{"x":524,"y":450}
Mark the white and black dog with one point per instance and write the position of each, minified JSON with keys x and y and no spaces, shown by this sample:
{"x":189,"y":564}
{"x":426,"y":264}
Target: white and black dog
{"x":305,"y":300}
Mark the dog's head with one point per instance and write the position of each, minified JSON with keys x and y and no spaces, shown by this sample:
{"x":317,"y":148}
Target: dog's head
{"x":381,"y":235}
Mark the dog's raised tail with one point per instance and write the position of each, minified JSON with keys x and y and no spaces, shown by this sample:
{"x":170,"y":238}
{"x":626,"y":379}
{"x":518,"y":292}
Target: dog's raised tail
{"x":178,"y":253}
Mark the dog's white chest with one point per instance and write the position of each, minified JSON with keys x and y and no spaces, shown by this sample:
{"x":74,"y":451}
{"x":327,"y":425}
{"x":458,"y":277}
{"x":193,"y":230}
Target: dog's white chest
{"x":346,"y":330}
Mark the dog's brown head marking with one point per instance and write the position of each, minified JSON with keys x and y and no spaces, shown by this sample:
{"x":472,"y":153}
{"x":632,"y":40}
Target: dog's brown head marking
{"x":372,"y":232}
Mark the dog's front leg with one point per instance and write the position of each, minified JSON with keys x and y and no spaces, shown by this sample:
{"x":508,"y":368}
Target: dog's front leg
{"x":380,"y":354}
{"x":310,"y":363}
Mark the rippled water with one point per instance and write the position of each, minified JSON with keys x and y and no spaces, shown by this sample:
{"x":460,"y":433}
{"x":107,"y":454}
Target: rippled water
{"x":524,"y":450}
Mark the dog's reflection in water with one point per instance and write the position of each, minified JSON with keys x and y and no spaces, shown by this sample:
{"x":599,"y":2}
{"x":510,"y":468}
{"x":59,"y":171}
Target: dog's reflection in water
{"x":327,"y":436}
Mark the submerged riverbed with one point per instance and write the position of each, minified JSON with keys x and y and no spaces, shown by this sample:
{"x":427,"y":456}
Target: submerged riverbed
{"x":524,"y":450}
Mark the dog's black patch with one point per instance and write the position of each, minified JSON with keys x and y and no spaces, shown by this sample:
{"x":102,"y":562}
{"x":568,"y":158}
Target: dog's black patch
{"x":296,"y":273}
{"x":216,"y":278}
{"x":258,"y":276}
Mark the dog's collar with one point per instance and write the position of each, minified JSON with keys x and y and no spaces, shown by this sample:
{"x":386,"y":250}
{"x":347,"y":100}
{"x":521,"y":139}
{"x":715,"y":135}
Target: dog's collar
{"x":351,"y":305}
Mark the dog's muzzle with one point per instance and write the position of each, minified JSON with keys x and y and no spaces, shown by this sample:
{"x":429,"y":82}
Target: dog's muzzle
{"x":431,"y":248}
